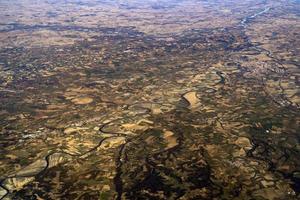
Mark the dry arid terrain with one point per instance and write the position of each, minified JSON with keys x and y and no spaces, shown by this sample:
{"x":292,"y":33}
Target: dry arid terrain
{"x":153,"y":100}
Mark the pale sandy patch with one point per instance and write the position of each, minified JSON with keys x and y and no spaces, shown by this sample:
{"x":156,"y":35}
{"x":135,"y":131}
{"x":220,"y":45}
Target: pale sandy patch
{"x":192,"y":98}
{"x":82,"y":100}
{"x":170,"y":138}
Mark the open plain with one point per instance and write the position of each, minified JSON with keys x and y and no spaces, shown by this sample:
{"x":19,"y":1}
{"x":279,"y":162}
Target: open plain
{"x":170,"y":99}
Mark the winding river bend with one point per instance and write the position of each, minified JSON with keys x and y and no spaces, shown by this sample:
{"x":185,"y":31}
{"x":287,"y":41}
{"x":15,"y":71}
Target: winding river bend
{"x":248,"y":19}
